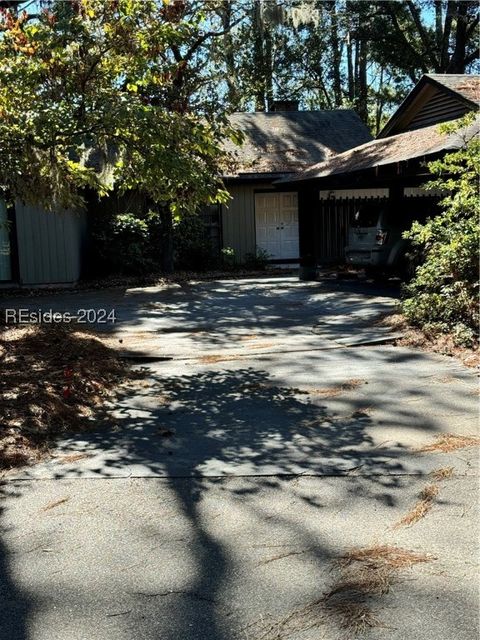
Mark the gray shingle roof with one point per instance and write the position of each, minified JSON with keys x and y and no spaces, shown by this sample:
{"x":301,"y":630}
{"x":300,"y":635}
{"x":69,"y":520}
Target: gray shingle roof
{"x":286,"y":142}
{"x":398,"y":148}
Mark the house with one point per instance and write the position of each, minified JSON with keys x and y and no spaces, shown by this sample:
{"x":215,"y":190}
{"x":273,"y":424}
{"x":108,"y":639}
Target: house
{"x":277,"y":144}
{"x":48,"y":248}
{"x":391,"y":168}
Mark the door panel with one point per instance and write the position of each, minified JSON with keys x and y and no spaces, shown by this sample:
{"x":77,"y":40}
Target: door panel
{"x":276,"y":219}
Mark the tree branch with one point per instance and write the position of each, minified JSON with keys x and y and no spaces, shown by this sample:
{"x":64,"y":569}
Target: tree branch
{"x":406,"y":42}
{"x":472,"y":56}
{"x":209,"y":34}
{"x":424,"y":37}
{"x":447,"y":29}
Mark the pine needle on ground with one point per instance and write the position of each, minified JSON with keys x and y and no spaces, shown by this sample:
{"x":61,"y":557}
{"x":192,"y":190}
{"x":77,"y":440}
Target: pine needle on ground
{"x":450,"y":442}
{"x":422,"y":506}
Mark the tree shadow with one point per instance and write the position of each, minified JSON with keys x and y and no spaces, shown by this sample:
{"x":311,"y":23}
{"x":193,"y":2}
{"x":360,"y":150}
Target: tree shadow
{"x":15,"y":604}
{"x":204,"y":430}
{"x":201,"y":430}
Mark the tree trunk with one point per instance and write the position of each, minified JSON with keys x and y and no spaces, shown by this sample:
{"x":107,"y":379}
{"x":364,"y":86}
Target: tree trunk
{"x":439,"y":26}
{"x":268,"y":65}
{"x":380,"y":101}
{"x":233,"y":94}
{"x":447,"y":28}
{"x":362,"y":93}
{"x":336,"y":55}
{"x":351,"y":81}
{"x":457,"y":61}
{"x":166,"y":219}
{"x":258,"y":56}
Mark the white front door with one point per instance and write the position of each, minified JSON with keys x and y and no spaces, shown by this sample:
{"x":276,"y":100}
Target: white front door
{"x":276,"y":220}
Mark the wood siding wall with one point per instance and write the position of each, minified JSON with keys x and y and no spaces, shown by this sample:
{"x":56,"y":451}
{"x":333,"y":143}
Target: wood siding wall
{"x":441,"y":107}
{"x":49,"y":245}
{"x":238,"y":219}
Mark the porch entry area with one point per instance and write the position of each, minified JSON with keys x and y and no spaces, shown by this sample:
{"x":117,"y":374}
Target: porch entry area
{"x":276,"y":225}
{"x":5,"y":247}
{"x":335,"y":212}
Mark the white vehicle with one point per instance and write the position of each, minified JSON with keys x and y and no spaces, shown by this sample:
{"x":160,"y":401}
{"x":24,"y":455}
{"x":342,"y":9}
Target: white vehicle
{"x":375,"y":238}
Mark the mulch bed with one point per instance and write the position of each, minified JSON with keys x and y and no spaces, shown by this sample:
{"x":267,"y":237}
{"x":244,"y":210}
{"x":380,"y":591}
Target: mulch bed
{"x":438,"y":343}
{"x":53,"y":379}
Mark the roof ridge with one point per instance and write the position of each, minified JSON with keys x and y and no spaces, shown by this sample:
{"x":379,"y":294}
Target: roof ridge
{"x":464,"y":75}
{"x":269,"y":113}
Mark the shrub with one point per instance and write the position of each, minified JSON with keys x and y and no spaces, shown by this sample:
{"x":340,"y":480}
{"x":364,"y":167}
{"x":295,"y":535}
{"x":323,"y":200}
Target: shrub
{"x":124,"y":243}
{"x":442,"y":295}
{"x":257,"y":261}
{"x":193,"y":250}
{"x":228,"y":257}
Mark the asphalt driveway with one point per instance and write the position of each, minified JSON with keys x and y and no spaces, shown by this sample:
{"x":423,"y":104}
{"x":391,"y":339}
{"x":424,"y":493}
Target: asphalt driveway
{"x":272,"y":430}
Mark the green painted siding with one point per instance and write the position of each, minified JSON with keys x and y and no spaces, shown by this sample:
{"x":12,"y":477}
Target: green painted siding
{"x":238,"y":218}
{"x":5,"y":248}
{"x":49,"y":245}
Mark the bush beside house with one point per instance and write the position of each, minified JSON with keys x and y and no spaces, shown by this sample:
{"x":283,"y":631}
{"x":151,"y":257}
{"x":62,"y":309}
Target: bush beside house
{"x":443,"y":294}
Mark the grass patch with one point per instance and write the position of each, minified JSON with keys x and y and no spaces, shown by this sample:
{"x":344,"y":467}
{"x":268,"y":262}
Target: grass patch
{"x":55,"y":379}
{"x":450,"y":442}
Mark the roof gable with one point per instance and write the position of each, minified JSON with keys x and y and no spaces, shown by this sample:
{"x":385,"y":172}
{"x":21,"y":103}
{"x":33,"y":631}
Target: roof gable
{"x":435,"y":98}
{"x":289,"y":141}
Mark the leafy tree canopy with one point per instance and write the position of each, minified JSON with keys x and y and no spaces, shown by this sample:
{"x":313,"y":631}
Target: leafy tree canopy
{"x":91,"y":96}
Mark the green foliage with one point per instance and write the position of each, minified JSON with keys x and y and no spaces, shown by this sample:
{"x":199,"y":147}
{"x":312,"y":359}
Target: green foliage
{"x":92,"y":95}
{"x":228,"y":257}
{"x":193,"y":250}
{"x":129,"y":238}
{"x":125,"y":243}
{"x":443,"y":294}
{"x":257,"y":261}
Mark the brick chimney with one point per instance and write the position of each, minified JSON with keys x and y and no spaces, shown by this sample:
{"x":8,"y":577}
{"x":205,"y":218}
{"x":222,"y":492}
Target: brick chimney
{"x":283,"y":105}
